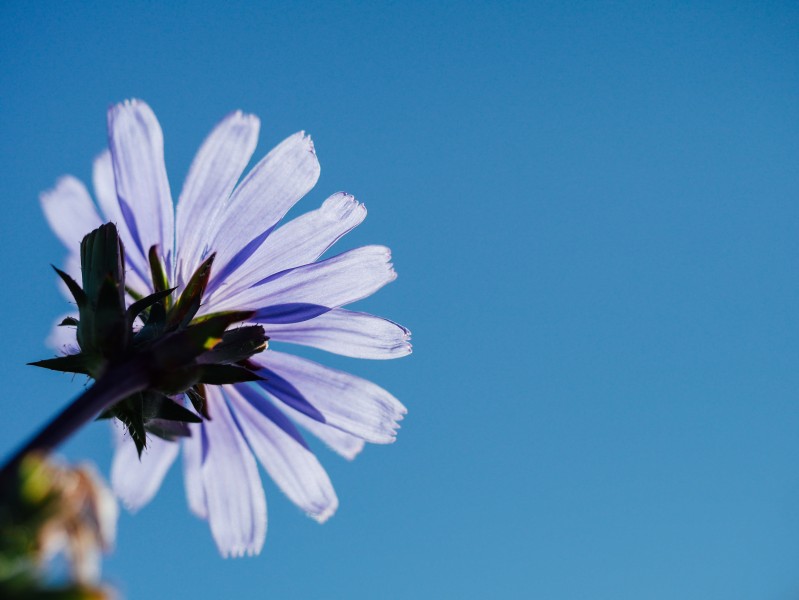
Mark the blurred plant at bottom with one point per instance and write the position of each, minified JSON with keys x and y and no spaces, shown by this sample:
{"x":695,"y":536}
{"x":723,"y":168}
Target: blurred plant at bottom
{"x":50,"y":510}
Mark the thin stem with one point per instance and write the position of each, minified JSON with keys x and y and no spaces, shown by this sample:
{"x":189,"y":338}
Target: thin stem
{"x":114,"y":385}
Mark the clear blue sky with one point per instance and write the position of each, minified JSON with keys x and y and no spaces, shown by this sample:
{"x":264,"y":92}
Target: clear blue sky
{"x":594,"y":213}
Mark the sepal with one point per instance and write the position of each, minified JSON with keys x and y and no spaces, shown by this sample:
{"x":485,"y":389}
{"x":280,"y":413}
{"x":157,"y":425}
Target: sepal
{"x":160,"y":282}
{"x":72,"y":286}
{"x":190,"y":300}
{"x":198,"y":399}
{"x":226,"y":374}
{"x":139,"y":306}
{"x":71,"y":363}
{"x":176,"y":351}
{"x":237,"y":345}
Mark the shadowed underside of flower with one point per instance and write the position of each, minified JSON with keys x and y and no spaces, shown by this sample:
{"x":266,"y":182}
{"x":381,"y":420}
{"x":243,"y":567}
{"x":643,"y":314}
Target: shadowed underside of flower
{"x":269,"y":270}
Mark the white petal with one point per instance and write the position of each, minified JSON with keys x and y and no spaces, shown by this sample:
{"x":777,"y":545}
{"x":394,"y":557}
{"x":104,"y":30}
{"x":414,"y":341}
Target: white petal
{"x":299,"y":242}
{"x":330,"y":283}
{"x":137,"y":153}
{"x":233,"y":492}
{"x":273,"y":439}
{"x":274,"y":185}
{"x":70,"y":211}
{"x":344,"y":444}
{"x":192,"y":462}
{"x":105,"y":189}
{"x":136,"y":481}
{"x":347,"y":402}
{"x":355,"y":334}
{"x":217,"y":167}
{"x":137,"y":276}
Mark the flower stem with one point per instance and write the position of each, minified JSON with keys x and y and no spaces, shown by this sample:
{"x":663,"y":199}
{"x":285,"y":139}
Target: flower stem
{"x":117,"y":383}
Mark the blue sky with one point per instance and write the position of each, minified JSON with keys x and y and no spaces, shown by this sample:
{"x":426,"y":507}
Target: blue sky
{"x":593,"y":213}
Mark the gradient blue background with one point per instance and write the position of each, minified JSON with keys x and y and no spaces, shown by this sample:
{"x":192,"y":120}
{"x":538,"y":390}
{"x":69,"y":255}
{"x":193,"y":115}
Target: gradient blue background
{"x":594,"y":213}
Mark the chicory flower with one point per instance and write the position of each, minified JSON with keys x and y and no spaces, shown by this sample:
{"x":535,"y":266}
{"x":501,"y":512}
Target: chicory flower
{"x":271,"y":272}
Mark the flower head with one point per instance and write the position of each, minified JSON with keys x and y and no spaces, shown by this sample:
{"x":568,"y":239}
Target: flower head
{"x":270,"y":272}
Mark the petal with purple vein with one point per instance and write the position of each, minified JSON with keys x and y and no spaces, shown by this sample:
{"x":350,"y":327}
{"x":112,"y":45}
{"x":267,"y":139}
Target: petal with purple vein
{"x":355,"y":334}
{"x":274,"y":440}
{"x":299,"y":242}
{"x":273,"y":186}
{"x":137,"y":154}
{"x":354,"y":405}
{"x":233,"y":492}
{"x":214,"y":172}
{"x":344,"y":444}
{"x":330,"y":283}
{"x":138,"y":274}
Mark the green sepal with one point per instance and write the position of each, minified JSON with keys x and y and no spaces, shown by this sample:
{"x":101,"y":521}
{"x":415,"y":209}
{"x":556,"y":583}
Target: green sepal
{"x":133,"y":293}
{"x":190,"y":299}
{"x":184,"y":345}
{"x":111,"y":329}
{"x":237,"y":345}
{"x":71,"y":363}
{"x":175,"y":380}
{"x":160,"y":280}
{"x":168,"y":430}
{"x":129,"y":411}
{"x":102,"y":328}
{"x":158,"y":406}
{"x":154,"y":326}
{"x":222,"y":374}
{"x":101,"y":256}
{"x":229,"y":316}
{"x":196,"y":395}
{"x":142,"y":304}
{"x":77,"y":293}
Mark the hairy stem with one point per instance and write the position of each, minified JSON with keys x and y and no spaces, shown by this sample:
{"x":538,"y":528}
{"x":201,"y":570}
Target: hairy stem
{"x":116,"y":384}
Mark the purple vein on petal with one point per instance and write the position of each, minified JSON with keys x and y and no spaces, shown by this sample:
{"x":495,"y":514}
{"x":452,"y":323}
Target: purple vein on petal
{"x":239,"y":259}
{"x":291,"y":312}
{"x":130,"y":220}
{"x":263,"y":406}
{"x":284,"y":391}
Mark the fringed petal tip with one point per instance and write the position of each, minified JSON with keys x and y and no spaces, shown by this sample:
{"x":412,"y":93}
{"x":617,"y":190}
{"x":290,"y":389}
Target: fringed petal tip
{"x":403,"y":346}
{"x":240,"y":115}
{"x":389,"y":428}
{"x":306,"y":137}
{"x":392,"y":273}
{"x":395,"y":425}
{"x":341,"y":206}
{"x":325,"y":513}
{"x":128,"y":104}
{"x":253,"y":549}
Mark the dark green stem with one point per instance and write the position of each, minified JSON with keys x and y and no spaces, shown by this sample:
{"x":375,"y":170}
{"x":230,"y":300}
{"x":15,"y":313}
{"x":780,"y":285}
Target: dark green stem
{"x":116,"y":384}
